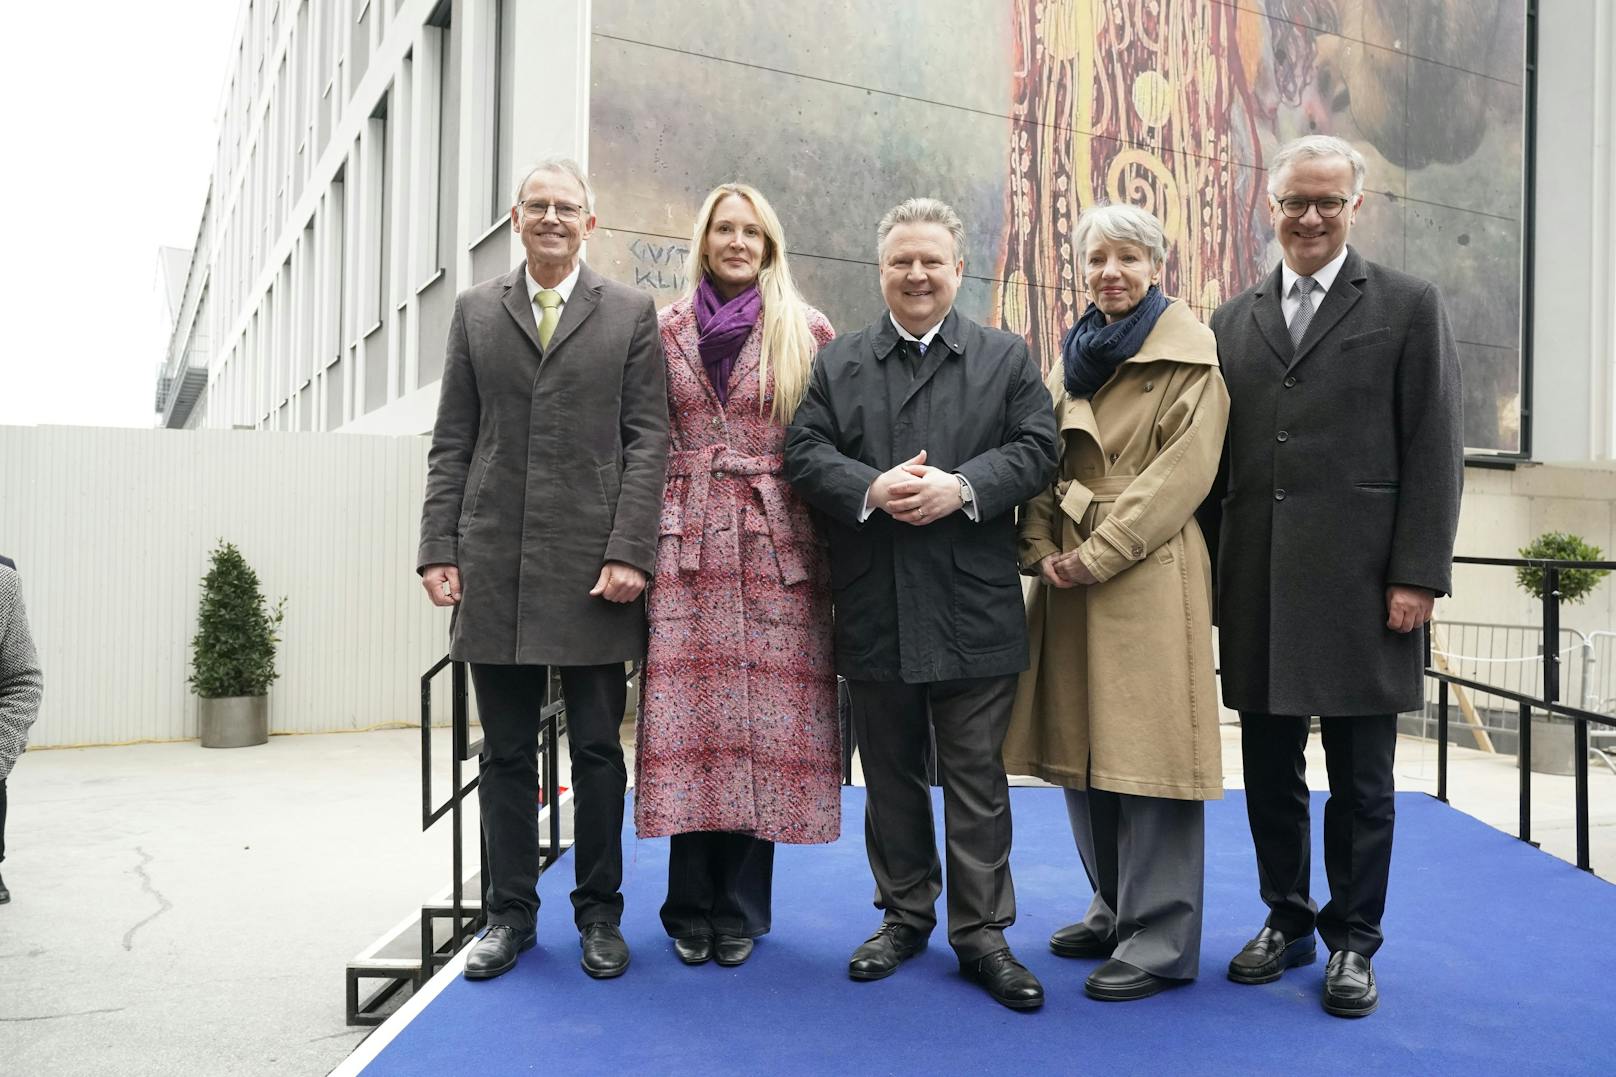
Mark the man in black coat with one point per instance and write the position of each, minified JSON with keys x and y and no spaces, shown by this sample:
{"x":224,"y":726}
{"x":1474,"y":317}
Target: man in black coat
{"x":917,"y":439}
{"x":1339,"y":504}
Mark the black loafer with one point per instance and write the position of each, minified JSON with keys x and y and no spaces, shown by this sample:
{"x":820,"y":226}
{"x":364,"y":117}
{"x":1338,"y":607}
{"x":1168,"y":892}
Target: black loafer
{"x":496,"y":952}
{"x":605,"y":952}
{"x":697,"y":950}
{"x":1078,"y":940}
{"x":1006,"y":979}
{"x":5,"y":895}
{"x":1118,"y":981}
{"x":1265,"y":958}
{"x":883,"y":952}
{"x":1349,"y":985}
{"x":731,"y":950}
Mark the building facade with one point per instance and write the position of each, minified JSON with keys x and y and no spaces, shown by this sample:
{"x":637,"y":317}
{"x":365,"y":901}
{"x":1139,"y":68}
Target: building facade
{"x":368,"y":149}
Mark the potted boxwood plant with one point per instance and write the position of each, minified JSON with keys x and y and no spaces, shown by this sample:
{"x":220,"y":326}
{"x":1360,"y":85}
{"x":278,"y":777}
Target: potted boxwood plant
{"x":233,"y":653}
{"x":1552,"y":743}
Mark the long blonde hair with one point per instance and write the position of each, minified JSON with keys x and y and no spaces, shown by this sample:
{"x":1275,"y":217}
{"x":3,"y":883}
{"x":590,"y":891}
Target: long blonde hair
{"x":788,"y":346}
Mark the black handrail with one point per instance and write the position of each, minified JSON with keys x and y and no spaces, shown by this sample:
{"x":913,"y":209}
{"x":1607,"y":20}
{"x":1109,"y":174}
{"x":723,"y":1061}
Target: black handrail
{"x":1548,"y":702}
{"x":551,"y":716}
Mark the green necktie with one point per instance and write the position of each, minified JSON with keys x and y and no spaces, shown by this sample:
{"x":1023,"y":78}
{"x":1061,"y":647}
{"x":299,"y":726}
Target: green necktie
{"x":549,"y":302}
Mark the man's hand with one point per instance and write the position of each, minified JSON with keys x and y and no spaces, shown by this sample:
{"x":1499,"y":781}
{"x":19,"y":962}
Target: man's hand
{"x":924,"y":495}
{"x":1407,"y":607}
{"x":442,"y":583}
{"x":619,"y":582}
{"x":1070,"y":567}
{"x":880,"y":494}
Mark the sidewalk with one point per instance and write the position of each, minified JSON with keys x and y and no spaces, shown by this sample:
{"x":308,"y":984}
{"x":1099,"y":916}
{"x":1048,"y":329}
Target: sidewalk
{"x":184,"y":911}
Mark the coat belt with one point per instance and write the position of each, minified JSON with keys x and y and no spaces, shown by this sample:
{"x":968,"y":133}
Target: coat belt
{"x":761,"y":474}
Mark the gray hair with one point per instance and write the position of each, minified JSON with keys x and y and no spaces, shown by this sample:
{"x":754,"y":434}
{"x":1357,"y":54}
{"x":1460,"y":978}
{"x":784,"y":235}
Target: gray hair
{"x":1121,"y":224}
{"x":567,"y":167}
{"x":1314,"y":148}
{"x":922,"y":211}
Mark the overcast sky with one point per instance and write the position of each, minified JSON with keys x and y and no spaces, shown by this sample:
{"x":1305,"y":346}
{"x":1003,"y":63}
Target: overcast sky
{"x":109,"y":121}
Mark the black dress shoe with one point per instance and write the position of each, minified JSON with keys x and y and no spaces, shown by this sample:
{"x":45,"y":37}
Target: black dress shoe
{"x":5,"y":895}
{"x":605,"y":952}
{"x":1349,"y":985}
{"x":496,"y":952}
{"x":731,"y":950}
{"x":1006,"y":979}
{"x":697,"y":950}
{"x":1118,"y":981}
{"x":883,"y":952}
{"x":1078,"y":940}
{"x":1265,"y":958}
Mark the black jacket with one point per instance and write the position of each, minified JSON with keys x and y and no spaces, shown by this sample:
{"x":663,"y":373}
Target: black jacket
{"x":943,"y":601}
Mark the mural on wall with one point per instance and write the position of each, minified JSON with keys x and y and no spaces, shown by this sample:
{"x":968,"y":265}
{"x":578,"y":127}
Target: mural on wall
{"x":1023,"y":113}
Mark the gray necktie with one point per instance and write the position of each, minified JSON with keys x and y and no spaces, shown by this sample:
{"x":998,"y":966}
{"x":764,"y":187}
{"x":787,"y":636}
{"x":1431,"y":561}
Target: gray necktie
{"x":1303,"y":289}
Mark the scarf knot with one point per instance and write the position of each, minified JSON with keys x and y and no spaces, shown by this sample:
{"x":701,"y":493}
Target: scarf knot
{"x":1092,"y":349}
{"x":721,"y":331}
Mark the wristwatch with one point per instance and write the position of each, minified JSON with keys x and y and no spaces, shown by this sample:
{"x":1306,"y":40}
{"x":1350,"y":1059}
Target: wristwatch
{"x":966,"y":497}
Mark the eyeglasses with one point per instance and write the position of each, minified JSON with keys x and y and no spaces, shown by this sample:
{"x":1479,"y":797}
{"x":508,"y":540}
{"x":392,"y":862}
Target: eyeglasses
{"x":1297,"y":207}
{"x":565,"y":212}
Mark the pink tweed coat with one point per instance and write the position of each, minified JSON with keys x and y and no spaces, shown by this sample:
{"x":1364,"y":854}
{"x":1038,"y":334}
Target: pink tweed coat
{"x":738,"y":727}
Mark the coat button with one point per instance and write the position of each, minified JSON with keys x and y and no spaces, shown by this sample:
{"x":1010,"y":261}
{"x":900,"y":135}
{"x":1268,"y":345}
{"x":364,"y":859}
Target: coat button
{"x":1149,"y":385}
{"x":1290,"y":383}
{"x":1283,"y":435}
{"x":1279,"y":495}
{"x":1115,"y":457}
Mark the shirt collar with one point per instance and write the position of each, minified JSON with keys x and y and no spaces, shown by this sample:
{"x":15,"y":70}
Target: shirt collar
{"x":1324,"y":277}
{"x":565,"y":287}
{"x":904,"y":334}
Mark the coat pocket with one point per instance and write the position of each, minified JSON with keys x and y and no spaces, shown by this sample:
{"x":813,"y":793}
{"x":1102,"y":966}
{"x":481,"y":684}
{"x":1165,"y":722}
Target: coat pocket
{"x":611,"y":483}
{"x":988,"y":606}
{"x":1364,"y":340}
{"x":474,"y":484}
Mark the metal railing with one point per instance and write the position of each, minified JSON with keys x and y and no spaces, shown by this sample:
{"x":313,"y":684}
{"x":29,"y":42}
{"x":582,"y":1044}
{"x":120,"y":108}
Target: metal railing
{"x":1548,"y":700}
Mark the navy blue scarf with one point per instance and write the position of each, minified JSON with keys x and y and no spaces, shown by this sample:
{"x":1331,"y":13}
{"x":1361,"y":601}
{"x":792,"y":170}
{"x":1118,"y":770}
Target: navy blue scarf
{"x":1092,"y":349}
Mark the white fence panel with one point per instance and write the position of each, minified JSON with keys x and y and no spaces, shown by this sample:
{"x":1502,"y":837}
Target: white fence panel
{"x":111,"y":530}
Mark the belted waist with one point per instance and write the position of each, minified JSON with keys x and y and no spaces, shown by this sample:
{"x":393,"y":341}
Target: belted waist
{"x":762,"y":474}
{"x":1075,"y":497}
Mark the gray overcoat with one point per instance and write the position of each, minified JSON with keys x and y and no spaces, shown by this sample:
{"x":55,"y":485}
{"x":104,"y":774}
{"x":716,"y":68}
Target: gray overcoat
{"x":1341,"y":475}
{"x":544,"y":466}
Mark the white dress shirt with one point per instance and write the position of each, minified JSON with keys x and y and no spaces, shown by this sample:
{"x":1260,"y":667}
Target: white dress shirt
{"x":565,"y":287}
{"x":1290,"y":303}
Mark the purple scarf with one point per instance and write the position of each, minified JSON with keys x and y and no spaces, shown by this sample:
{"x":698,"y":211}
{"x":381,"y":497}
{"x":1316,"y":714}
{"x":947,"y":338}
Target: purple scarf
{"x":722,"y":329}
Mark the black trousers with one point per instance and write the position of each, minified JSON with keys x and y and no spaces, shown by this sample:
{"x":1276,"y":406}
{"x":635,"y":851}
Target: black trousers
{"x":508,"y":701}
{"x":969,"y":718}
{"x":719,"y":883}
{"x":1358,"y":823}
{"x":2,"y":819}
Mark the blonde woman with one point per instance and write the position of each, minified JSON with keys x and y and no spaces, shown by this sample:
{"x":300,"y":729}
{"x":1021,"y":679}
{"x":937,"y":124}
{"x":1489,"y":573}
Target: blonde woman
{"x":738,"y":741}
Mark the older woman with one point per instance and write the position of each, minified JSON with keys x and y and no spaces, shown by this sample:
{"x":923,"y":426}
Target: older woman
{"x":1119,"y":704}
{"x":738,"y":741}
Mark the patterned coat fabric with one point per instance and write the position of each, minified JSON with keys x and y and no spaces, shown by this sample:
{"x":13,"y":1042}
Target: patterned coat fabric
{"x":21,"y":685}
{"x":738,"y":725}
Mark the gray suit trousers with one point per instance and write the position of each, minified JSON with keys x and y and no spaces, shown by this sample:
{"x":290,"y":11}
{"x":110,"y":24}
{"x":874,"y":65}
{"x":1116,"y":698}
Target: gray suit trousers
{"x":969,"y":718}
{"x":1146,"y":860}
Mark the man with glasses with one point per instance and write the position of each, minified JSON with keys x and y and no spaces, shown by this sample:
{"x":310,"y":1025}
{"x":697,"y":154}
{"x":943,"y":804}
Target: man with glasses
{"x":1333,"y":523}
{"x":543,"y":493}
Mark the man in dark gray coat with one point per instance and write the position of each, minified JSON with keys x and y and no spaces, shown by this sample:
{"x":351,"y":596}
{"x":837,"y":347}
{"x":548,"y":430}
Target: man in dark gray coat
{"x":21,"y":687}
{"x":1339,"y":504}
{"x":543,"y":491}
{"x":917,"y":439}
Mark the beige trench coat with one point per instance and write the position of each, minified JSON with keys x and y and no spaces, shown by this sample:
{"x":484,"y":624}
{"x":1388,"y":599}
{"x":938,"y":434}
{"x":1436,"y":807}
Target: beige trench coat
{"x":1121,"y":694}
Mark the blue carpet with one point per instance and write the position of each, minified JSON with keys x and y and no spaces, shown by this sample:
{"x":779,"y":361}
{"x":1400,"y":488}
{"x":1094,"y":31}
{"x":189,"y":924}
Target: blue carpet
{"x":1498,"y":961}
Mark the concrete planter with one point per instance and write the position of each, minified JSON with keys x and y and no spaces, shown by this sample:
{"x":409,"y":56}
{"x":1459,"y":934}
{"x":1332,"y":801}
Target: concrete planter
{"x":233,"y":721}
{"x":1553,"y":750}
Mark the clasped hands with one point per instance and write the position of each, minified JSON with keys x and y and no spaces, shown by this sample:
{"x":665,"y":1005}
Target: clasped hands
{"x":915,"y":493}
{"x":617,"y":583}
{"x":1065,"y":570}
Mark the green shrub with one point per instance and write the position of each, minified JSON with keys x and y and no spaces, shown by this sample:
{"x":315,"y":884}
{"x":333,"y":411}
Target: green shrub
{"x":233,"y":651}
{"x":1575,"y":583}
